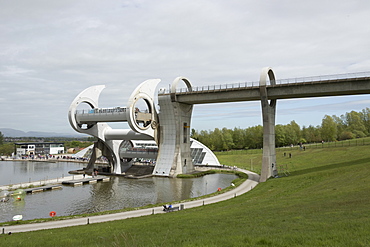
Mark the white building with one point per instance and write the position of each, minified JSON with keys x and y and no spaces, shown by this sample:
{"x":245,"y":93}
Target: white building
{"x":39,"y":148}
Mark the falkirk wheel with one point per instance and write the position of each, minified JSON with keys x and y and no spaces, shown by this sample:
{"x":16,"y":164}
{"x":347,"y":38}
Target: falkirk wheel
{"x":168,"y":129}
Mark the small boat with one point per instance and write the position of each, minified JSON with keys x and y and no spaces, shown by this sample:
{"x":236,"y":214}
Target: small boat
{"x":17,"y":217}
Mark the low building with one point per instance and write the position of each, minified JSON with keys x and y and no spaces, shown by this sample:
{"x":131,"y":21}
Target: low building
{"x":38,"y":148}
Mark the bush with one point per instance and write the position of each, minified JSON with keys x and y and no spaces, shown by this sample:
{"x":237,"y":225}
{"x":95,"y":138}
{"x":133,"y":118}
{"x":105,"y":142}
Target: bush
{"x":196,"y":175}
{"x":346,"y":135}
{"x":7,"y":149}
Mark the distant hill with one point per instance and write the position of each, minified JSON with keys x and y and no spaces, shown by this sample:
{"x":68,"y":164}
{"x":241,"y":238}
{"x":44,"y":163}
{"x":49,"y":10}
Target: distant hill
{"x":7,"y":132}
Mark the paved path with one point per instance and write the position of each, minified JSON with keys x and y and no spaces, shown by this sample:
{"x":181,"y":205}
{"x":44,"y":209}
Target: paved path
{"x":249,"y":184}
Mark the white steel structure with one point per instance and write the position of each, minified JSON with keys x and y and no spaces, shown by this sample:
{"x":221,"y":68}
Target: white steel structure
{"x":168,"y":129}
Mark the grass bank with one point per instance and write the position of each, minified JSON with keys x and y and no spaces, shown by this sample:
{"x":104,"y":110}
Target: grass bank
{"x":324,"y":201}
{"x":241,"y":177}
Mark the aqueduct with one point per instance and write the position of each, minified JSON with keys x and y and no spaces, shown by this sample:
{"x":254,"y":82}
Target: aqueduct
{"x":169,"y":128}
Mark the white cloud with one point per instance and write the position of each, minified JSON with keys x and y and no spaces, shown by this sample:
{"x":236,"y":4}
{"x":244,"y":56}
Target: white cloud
{"x":52,"y":50}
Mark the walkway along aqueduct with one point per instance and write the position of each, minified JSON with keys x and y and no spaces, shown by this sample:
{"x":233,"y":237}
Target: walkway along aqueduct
{"x":170,"y":127}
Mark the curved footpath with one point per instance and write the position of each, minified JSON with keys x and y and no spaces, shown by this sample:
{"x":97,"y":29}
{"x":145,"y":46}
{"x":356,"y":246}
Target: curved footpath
{"x":249,"y":184}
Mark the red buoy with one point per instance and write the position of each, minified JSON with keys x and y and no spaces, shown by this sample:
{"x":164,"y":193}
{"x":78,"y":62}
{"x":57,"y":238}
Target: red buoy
{"x":52,"y":213}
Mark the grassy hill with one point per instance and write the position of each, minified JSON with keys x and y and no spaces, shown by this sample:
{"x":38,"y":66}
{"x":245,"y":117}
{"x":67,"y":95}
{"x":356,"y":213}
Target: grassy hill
{"x":324,"y":201}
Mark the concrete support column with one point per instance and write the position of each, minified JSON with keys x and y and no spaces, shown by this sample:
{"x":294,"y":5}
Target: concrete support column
{"x":112,"y":154}
{"x":269,"y":167}
{"x":110,"y":150}
{"x":174,"y":156}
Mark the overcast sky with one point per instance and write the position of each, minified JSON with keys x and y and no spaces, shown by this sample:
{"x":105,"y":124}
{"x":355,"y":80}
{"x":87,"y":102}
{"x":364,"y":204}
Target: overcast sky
{"x":52,"y":50}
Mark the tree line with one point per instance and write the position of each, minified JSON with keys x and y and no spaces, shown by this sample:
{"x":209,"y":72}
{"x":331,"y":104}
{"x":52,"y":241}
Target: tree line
{"x":333,"y":128}
{"x":347,"y":126}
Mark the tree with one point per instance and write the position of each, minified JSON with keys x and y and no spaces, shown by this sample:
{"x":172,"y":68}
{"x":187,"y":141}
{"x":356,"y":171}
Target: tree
{"x":1,"y":138}
{"x":280,"y":136}
{"x":365,"y":116}
{"x":355,"y":124}
{"x":254,"y":137}
{"x":328,"y":129}
{"x":238,"y":138}
{"x":193,"y":134}
{"x":217,"y":139}
{"x":227,"y":139}
{"x":204,"y":137}
{"x":91,"y":139}
{"x":345,"y":135}
{"x":347,"y":126}
{"x":7,"y":149}
{"x":311,"y":133}
{"x":77,"y":144}
{"x":341,"y":127}
{"x":293,"y":133}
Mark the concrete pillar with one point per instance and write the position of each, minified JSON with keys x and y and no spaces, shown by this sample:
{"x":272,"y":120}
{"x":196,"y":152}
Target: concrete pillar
{"x":91,"y":164}
{"x":174,"y":156}
{"x":269,"y":167}
{"x":110,"y":150}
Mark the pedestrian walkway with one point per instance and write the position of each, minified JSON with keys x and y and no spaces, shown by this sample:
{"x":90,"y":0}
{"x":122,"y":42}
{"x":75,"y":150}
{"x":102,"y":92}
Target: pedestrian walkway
{"x":41,"y":182}
{"x":87,"y":180}
{"x":42,"y":188}
{"x":248,"y":185}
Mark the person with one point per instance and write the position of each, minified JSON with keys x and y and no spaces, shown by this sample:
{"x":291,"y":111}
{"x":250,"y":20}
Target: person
{"x":167,"y":208}
{"x":4,"y":199}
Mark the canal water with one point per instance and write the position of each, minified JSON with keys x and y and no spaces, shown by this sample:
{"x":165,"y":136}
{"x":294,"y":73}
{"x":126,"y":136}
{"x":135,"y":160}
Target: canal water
{"x":118,"y":193}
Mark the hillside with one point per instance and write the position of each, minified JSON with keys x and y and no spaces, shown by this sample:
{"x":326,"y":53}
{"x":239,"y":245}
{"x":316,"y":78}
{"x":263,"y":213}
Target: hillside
{"x":324,"y":201}
{"x":8,"y":132}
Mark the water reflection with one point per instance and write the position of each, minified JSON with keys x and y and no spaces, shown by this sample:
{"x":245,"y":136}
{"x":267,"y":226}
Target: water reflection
{"x":12,"y":172}
{"x":118,"y":193}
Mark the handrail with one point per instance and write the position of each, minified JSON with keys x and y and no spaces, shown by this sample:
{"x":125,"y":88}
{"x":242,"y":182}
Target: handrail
{"x":280,"y":82}
{"x":102,"y":110}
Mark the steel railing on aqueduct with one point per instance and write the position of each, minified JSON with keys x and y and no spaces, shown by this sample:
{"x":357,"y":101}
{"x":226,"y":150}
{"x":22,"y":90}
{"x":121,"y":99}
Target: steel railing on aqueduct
{"x":280,"y":82}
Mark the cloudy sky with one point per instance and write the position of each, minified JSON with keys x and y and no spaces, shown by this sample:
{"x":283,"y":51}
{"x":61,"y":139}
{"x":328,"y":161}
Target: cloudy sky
{"x":52,"y":50}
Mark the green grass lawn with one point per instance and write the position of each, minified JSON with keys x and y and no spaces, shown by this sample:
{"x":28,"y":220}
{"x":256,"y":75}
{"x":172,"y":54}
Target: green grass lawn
{"x":325,"y":201}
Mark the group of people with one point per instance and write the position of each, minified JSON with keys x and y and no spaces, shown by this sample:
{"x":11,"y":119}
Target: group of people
{"x":94,"y":173}
{"x":166,"y":208}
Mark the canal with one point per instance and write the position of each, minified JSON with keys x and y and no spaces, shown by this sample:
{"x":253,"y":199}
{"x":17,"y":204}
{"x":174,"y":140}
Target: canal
{"x":118,"y":193}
